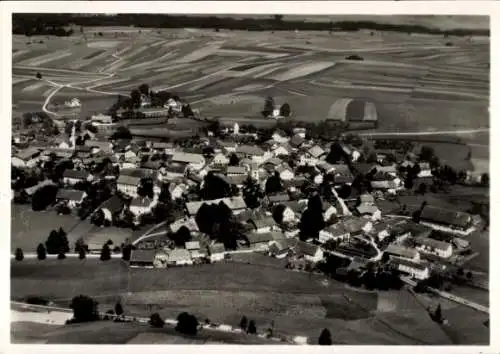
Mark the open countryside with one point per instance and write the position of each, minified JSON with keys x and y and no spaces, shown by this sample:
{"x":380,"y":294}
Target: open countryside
{"x":191,"y":185}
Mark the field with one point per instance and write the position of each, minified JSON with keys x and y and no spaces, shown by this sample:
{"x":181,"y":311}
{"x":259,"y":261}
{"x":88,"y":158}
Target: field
{"x":225,"y":292}
{"x":418,"y":83}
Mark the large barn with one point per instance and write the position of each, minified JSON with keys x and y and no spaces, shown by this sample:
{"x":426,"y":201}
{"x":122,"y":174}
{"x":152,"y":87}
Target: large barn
{"x":353,"y":111}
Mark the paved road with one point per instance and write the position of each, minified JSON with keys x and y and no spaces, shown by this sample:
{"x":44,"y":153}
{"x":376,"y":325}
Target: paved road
{"x":452,"y":297}
{"x":420,"y":133}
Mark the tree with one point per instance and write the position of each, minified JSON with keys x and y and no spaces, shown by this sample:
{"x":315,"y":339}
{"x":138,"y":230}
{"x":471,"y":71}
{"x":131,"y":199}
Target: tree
{"x":438,"y":315}
{"x":234,"y":160}
{"x":273,"y":184}
{"x":61,"y":255}
{"x":278,"y":18}
{"x":41,"y":253}
{"x":485,"y":180}
{"x":38,"y":76}
{"x":252,"y":328}
{"x":244,"y":323}
{"x":422,"y":188}
{"x":182,"y":236}
{"x":85,"y":309}
{"x":325,"y":338}
{"x":427,"y":153}
{"x":344,"y":191}
{"x":144,"y":89}
{"x":57,"y":242}
{"x":156,"y":321}
{"x":121,"y":133}
{"x":469,"y":275}
{"x":19,"y":255}
{"x":251,"y":193}
{"x":135,"y":96}
{"x":118,"y":309}
{"x":187,"y":111}
{"x":79,"y":245}
{"x":278,"y":213}
{"x":187,"y":324}
{"x":268,"y":107}
{"x":82,"y":254}
{"x":285,"y":110}
{"x":105,"y":253}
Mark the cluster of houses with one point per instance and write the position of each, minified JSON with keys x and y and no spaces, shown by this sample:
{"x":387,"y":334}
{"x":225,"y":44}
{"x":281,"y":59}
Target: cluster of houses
{"x":357,"y":224}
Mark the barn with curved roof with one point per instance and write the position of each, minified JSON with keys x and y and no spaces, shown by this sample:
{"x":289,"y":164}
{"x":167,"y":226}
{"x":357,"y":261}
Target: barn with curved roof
{"x":352,"y":110}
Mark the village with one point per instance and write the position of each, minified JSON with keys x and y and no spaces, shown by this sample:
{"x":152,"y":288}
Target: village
{"x":332,"y":206}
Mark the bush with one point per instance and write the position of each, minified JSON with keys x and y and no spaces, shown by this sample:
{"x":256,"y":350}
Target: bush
{"x":105,"y":253}
{"x":354,"y":57}
{"x":187,"y":324}
{"x":61,"y":255}
{"x":85,"y":309}
{"x":156,"y":321}
{"x":41,"y":253}
{"x":252,"y":328}
{"x":325,"y":338}
{"x":19,"y":255}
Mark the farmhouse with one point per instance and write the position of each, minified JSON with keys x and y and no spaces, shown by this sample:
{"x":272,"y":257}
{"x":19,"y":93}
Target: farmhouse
{"x":310,"y":252}
{"x":99,"y":146}
{"x":72,"y":197}
{"x":281,"y":248}
{"x":142,"y":205}
{"x":403,"y":252}
{"x":236,"y":204}
{"x":26,"y":158}
{"x":72,"y":177}
{"x":236,"y":171}
{"x":112,"y":207}
{"x":179,"y":257}
{"x":195,"y":250}
{"x":414,"y":269}
{"x":442,"y":218}
{"x":285,"y":172}
{"x":142,"y":258}
{"x":259,"y":241}
{"x":435,"y":247}
{"x":312,"y":156}
{"x":335,"y":232}
{"x":263,"y":224}
{"x":194,"y":161}
{"x":128,"y":185}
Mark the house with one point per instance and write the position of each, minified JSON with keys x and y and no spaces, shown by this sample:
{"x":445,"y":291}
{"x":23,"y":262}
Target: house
{"x":342,"y":174}
{"x":288,"y":215}
{"x":355,"y":225}
{"x":312,"y":155}
{"x":278,"y":198}
{"x":128,"y":185}
{"x":236,"y":171}
{"x":282,"y":247}
{"x":325,"y":167}
{"x":439,"y":218}
{"x":177,"y":190}
{"x":280,"y":137}
{"x":254,"y":153}
{"x":335,"y":232}
{"x":328,"y":211}
{"x":263,"y":224}
{"x":175,"y":170}
{"x":112,"y":207}
{"x":142,"y":205}
{"x":435,"y":247}
{"x":425,"y":170}
{"x":395,"y":250}
{"x":236,"y":204}
{"x":259,"y":241}
{"x":286,"y":173}
{"x":384,"y":180}
{"x":195,"y":250}
{"x":220,"y":160}
{"x":72,"y":197}
{"x":282,"y":150}
{"x":380,"y":231}
{"x":366,"y":199}
{"x":73,"y":103}
{"x":73,"y":177}
{"x":26,"y":158}
{"x":99,"y":146}
{"x":179,"y":257}
{"x":367,"y":210}
{"x":216,"y":252}
{"x":296,"y":141}
{"x":194,"y":161}
{"x":142,"y":258}
{"x":414,"y":269}
{"x":311,"y":253}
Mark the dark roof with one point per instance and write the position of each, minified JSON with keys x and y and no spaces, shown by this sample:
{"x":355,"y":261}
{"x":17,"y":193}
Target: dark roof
{"x":176,"y":167}
{"x":443,"y":216}
{"x":216,"y":248}
{"x":141,"y":202}
{"x":70,"y":194}
{"x":143,"y":256}
{"x":277,"y":198}
{"x":27,"y":154}
{"x":408,"y":263}
{"x":76,"y":174}
{"x":364,"y":168}
{"x":306,"y":248}
{"x":113,"y":204}
{"x":255,"y":237}
{"x":128,"y":180}
{"x":296,"y":141}
{"x":236,"y":180}
{"x":263,"y":221}
{"x":249,"y":150}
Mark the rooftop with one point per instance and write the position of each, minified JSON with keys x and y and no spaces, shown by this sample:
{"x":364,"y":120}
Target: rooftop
{"x":70,"y":194}
{"x":234,"y":203}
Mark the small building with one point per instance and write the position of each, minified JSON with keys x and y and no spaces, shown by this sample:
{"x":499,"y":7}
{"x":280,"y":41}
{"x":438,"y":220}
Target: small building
{"x":195,"y":250}
{"x":72,"y":197}
{"x":285,"y":172}
{"x":278,"y":198}
{"x":414,"y":269}
{"x":236,"y":204}
{"x":312,"y":156}
{"x":236,"y":171}
{"x":72,"y":177}
{"x":438,"y":217}
{"x":26,"y":158}
{"x":216,"y":252}
{"x":259,"y":241}
{"x":263,"y":224}
{"x":112,"y":207}
{"x":220,"y":160}
{"x":281,"y":248}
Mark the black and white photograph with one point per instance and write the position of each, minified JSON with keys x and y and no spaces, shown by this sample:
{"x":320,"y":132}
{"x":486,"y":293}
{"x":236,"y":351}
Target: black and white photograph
{"x":249,"y":179}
